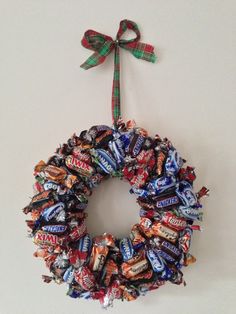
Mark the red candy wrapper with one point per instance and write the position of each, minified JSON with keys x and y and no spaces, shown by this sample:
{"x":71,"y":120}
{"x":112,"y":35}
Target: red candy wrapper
{"x":78,"y":231}
{"x":85,"y":278}
{"x":173,"y":221}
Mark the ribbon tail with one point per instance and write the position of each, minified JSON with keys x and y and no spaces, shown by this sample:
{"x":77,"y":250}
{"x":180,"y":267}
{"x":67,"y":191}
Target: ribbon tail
{"x":92,"y":61}
{"x":99,"y":56}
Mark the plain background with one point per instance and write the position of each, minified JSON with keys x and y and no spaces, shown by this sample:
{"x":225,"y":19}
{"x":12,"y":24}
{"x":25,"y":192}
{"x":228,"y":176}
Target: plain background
{"x":188,"y":96}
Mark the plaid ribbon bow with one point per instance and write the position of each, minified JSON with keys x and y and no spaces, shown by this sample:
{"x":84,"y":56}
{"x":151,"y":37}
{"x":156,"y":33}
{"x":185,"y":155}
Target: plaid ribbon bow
{"x":103,"y":46}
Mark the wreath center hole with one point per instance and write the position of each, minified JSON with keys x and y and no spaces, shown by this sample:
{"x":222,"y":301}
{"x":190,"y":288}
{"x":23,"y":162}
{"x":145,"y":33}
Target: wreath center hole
{"x":111,"y":208}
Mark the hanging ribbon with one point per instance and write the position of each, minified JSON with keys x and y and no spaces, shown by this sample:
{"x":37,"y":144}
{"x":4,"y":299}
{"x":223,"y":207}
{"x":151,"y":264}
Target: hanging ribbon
{"x":103,"y":45}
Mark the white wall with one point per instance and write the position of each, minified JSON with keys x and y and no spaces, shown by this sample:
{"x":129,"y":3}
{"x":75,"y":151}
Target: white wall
{"x":188,"y":96}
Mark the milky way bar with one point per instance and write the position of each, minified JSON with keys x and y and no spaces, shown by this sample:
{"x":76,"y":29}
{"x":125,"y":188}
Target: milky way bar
{"x":135,"y":144}
{"x":170,"y":248}
{"x":156,"y":261}
{"x":134,"y":266}
{"x":164,"y":232}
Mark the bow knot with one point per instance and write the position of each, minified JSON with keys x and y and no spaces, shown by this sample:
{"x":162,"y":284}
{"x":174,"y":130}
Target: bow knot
{"x":103,"y":45}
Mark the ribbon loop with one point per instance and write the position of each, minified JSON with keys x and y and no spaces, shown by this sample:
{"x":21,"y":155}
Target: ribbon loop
{"x":94,"y":40}
{"x":100,"y":43}
{"x":124,"y":25}
{"x":103,"y":45}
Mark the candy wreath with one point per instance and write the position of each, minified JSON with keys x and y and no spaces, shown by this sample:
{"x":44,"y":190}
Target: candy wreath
{"x":104,"y":267}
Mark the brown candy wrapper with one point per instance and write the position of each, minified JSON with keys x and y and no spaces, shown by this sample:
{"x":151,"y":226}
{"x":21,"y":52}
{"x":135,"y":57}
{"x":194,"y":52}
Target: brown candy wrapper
{"x":134,"y":266}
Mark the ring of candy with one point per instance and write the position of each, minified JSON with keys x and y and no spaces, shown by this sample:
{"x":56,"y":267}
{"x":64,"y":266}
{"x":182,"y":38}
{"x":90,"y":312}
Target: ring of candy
{"x":105,"y":267}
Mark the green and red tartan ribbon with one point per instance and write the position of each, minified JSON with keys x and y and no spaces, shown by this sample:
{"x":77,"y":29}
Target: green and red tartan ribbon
{"x":103,"y":45}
